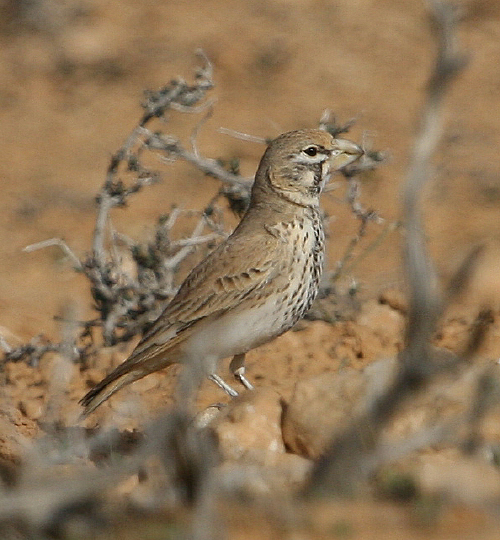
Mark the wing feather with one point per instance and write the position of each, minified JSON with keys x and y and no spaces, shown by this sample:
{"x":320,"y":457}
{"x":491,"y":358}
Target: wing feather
{"x":219,"y":283}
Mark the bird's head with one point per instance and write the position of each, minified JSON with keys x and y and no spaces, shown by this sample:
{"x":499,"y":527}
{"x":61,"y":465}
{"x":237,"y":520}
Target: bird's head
{"x":297,"y":164}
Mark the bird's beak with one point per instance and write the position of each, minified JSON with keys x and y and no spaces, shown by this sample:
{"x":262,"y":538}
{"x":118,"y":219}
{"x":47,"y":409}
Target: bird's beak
{"x":349,"y":152}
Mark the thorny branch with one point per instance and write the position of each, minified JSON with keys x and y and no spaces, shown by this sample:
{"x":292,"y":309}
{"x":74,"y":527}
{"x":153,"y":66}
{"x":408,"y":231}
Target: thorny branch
{"x":364,"y":216}
{"x":62,"y":245}
{"x":127,"y":301}
{"x":369,"y":161}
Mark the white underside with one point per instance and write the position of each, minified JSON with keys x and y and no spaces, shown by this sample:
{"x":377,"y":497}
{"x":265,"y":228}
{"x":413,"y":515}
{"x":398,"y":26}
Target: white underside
{"x":251,"y":325}
{"x":233,"y":333}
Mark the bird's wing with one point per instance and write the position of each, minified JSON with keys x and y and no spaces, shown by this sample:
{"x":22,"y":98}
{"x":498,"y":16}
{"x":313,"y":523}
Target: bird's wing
{"x":229,"y":275}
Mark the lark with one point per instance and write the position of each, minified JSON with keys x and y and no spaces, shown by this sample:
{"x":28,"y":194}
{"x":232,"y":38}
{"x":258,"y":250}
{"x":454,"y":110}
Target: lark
{"x":256,"y":284}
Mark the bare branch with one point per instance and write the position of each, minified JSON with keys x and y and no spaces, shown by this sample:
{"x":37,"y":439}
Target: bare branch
{"x":173,"y":150}
{"x":194,"y":135}
{"x":60,"y":244}
{"x":328,"y":122}
{"x":4,"y":345}
{"x":364,"y":216}
{"x":241,"y":136}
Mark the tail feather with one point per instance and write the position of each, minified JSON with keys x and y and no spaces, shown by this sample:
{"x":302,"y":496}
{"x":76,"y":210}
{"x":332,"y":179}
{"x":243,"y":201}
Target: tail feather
{"x":148,"y":356}
{"x":107,"y":387}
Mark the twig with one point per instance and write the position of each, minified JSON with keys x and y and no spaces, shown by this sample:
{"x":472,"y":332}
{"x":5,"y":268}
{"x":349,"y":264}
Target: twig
{"x":194,"y":134}
{"x":328,"y":122}
{"x":376,"y":243}
{"x":242,"y":136}
{"x":423,"y":294}
{"x":174,"y":261}
{"x":60,"y":244}
{"x":196,"y":241}
{"x":173,"y":150}
{"x":4,"y":345}
{"x":364,"y":216}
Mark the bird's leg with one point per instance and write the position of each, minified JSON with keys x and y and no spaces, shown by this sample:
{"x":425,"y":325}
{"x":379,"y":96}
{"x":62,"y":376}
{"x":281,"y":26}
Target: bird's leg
{"x":222,"y":384}
{"x":237,"y":367}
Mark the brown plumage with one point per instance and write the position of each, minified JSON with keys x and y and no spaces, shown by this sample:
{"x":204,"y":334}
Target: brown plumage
{"x":259,"y":282}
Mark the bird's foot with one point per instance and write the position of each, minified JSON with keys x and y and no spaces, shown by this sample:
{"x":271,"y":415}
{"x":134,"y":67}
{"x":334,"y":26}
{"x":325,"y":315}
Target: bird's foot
{"x":223,"y":384}
{"x":237,"y":368}
{"x":239,"y":375}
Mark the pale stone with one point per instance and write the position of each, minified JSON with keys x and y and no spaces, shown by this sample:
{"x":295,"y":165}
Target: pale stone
{"x":249,"y":428}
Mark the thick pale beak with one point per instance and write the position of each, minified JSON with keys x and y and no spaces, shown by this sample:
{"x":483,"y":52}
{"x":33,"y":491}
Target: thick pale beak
{"x":347,"y":153}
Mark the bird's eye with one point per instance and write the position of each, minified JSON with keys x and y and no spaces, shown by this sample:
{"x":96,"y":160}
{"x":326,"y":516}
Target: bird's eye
{"x":311,"y":151}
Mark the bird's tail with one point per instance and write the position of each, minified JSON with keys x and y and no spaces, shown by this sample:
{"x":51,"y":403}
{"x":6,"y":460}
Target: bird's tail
{"x":107,"y":387}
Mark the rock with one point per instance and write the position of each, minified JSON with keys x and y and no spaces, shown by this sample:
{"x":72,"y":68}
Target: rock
{"x":323,"y":406}
{"x":451,"y":395}
{"x":206,"y":417}
{"x":386,"y":323}
{"x":394,"y":299}
{"x":31,"y":408}
{"x":15,"y":432}
{"x":461,"y":478}
{"x":249,"y":428}
{"x":94,"y":376}
{"x":294,"y":470}
{"x":146,"y":384}
{"x":319,"y":407}
{"x":289,"y":473}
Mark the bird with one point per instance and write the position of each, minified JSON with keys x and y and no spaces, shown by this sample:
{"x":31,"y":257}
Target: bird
{"x":257,"y":283}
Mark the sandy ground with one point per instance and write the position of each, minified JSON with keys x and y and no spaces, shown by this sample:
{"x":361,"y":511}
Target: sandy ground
{"x":72,"y":77}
